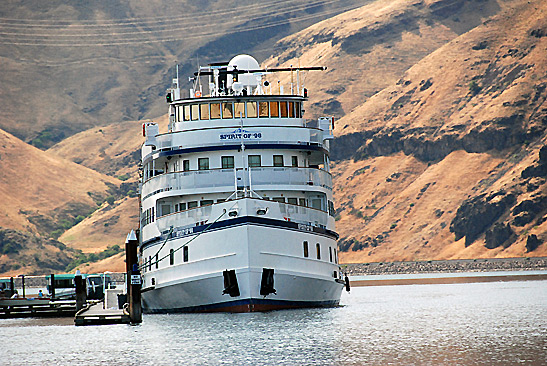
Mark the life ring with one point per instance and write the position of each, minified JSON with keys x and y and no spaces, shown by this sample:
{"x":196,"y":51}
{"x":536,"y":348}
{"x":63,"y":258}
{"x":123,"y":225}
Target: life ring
{"x":197,"y":94}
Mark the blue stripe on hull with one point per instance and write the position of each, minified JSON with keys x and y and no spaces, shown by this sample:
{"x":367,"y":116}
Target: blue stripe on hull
{"x":247,"y":305}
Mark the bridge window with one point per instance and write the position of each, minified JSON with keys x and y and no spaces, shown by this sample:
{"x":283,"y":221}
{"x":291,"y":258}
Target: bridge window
{"x":171,"y":257}
{"x":185,"y":165}
{"x":254,"y":161}
{"x":302,"y":202}
{"x":279,"y":199}
{"x":251,"y":110}
{"x":203,"y":163}
{"x":192,"y":204}
{"x":263,"y":110}
{"x":330,"y":254}
{"x":227,"y":110}
{"x":239,"y":110}
{"x":278,"y":160}
{"x":157,"y":261}
{"x":274,"y":109}
{"x":292,"y":201}
{"x":204,"y":111}
{"x":215,"y":110}
{"x":186,"y":112}
{"x":306,"y":253}
{"x":284,"y":111}
{"x":195,"y":112}
{"x":227,"y":162}
{"x":294,"y":161}
{"x":205,"y":203}
{"x":291,"y":109}
{"x":298,"y":111}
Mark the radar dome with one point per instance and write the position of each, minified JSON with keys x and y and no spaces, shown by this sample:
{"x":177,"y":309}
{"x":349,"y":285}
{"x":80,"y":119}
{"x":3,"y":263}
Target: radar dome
{"x":244,"y":62}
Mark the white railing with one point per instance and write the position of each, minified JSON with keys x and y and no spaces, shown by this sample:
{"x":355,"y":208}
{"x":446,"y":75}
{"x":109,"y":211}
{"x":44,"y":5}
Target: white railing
{"x":275,"y":210}
{"x":225,"y":178}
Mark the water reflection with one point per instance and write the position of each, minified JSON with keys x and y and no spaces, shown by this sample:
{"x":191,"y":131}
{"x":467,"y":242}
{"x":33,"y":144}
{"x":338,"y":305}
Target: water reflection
{"x":460,"y":324}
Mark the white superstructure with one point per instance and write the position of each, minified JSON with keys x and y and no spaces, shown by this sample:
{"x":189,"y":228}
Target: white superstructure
{"x":236,"y":198}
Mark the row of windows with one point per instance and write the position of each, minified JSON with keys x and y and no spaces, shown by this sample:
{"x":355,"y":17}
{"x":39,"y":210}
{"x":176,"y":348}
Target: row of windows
{"x":228,"y":110}
{"x":227,"y":162}
{"x":154,"y":262}
{"x":168,"y":208}
{"x":333,"y":258}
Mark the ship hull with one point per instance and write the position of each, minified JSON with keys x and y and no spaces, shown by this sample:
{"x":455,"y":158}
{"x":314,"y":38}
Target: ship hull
{"x":205,"y":295}
{"x":248,"y":250}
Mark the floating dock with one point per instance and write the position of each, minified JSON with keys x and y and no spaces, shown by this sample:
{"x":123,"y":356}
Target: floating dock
{"x":25,"y":308}
{"x":96,"y":315}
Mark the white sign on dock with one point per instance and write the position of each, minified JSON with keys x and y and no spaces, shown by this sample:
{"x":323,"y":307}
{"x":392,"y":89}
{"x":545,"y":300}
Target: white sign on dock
{"x":135,"y":279}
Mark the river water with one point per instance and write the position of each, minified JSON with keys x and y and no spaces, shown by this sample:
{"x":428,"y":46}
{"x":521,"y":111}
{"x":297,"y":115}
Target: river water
{"x":496,"y":323}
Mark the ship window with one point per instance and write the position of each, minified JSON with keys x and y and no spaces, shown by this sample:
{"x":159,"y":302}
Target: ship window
{"x":294,"y":161}
{"x":149,"y":263}
{"x":298,"y":111}
{"x":215,"y":110}
{"x":203,"y":163}
{"x":306,"y":253}
{"x":330,"y":254}
{"x":292,"y":201}
{"x":335,"y":256}
{"x":302,"y":202}
{"x":192,"y":204}
{"x":171,"y":257}
{"x":254,"y":161}
{"x":227,"y":109}
{"x":284,"y":112}
{"x":185,"y":254}
{"x":205,"y":203}
{"x":278,"y":160}
{"x":180,"y":113}
{"x":318,"y":248}
{"x":186,"y":112}
{"x":227,"y":162}
{"x":220,"y":200}
{"x":195,"y":112}
{"x":263,"y":109}
{"x":165,"y":209}
{"x":157,"y":261}
{"x":185,"y":165}
{"x":182,"y":206}
{"x":251,"y":110}
{"x":274,"y":109}
{"x":291,"y":109}
{"x":204,"y":111}
{"x":279,"y":199}
{"x":239,"y":110}
{"x":316,"y":203}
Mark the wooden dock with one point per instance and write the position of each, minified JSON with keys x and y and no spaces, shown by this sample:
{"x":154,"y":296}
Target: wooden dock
{"x":96,"y":315}
{"x":25,"y":308}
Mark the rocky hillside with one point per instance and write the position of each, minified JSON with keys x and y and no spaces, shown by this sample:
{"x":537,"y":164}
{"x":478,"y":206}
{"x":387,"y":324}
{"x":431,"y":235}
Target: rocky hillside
{"x":439,"y":149}
{"x":455,"y":148}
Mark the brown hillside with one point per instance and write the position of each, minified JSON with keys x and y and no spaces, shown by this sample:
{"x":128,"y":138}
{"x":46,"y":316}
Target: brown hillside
{"x":369,"y":48}
{"x":106,"y":227}
{"x":38,"y":190}
{"x":483,"y":93}
{"x":88,"y":64}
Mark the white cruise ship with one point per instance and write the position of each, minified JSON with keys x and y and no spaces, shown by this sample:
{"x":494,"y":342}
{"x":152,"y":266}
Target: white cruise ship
{"x":236,"y":199}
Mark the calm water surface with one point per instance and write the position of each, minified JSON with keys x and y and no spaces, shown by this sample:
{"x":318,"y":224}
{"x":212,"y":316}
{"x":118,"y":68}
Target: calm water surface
{"x":501,"y":323}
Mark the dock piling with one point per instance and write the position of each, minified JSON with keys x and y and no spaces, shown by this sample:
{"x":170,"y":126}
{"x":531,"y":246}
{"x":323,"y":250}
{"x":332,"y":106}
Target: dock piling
{"x":81,"y":292}
{"x":134,"y":281}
